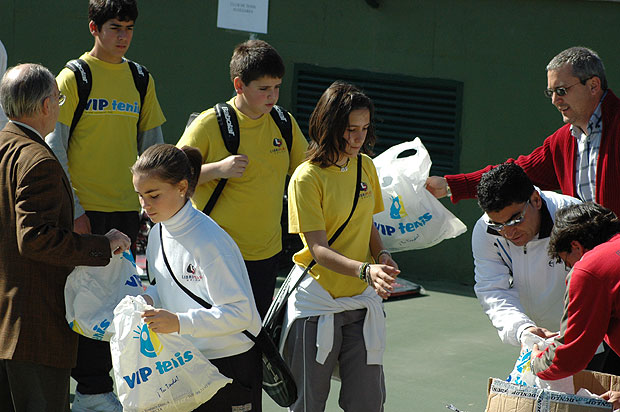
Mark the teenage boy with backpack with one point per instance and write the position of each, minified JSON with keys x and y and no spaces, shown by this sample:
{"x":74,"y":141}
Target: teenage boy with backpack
{"x":110,"y":116}
{"x":268,"y":146}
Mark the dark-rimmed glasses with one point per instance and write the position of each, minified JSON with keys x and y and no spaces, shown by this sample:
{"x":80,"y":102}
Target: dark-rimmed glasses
{"x":498,"y":227}
{"x":562,"y":90}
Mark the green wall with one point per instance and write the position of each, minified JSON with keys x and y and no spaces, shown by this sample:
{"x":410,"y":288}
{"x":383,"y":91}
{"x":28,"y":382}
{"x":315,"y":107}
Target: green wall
{"x":498,"y":49}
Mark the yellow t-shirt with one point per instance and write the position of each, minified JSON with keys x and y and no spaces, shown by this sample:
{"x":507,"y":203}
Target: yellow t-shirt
{"x":321,"y":199}
{"x":250,"y":207}
{"x":104,"y":143}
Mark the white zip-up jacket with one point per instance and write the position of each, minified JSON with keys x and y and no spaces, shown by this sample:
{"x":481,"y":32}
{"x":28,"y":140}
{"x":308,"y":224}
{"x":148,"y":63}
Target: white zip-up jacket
{"x":206,"y":260}
{"x":520,"y":286}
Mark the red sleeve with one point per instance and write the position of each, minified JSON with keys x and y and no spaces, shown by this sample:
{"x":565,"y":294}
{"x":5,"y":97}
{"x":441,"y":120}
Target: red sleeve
{"x":538,"y":165}
{"x":584,"y":325}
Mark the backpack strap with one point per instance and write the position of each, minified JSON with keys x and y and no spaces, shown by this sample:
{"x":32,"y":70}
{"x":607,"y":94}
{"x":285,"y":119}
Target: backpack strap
{"x":229,"y":129}
{"x":191,"y":119}
{"x":229,"y":126}
{"x":283,"y":121}
{"x":84,"y":80}
{"x":141,"y":80}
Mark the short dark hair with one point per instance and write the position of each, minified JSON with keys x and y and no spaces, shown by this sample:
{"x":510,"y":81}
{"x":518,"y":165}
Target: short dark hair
{"x":171,"y":164}
{"x":254,"y":59}
{"x":100,"y":11}
{"x":588,"y":223}
{"x":502,"y":186}
{"x":330,"y":119}
{"x":584,"y":63}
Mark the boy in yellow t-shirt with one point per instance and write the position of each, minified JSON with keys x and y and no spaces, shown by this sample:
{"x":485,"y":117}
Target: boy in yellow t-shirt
{"x":113,"y":129}
{"x":250,"y":205}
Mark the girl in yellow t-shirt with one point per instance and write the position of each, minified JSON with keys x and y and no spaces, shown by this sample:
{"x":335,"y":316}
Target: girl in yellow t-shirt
{"x":335,"y":315}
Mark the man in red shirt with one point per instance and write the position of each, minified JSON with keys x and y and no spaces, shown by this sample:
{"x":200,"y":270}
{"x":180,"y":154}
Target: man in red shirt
{"x":586,"y":237}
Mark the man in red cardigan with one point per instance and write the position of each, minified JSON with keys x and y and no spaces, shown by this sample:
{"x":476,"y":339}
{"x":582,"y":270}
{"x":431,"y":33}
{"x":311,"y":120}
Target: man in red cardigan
{"x":582,"y":158}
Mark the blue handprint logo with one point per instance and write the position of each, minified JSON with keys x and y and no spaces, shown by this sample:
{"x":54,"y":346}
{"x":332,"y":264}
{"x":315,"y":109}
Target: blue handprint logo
{"x":150,"y":345}
{"x":397,"y":210}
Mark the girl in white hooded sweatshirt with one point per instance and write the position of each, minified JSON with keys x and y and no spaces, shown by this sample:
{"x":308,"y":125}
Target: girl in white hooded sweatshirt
{"x":205,"y":260}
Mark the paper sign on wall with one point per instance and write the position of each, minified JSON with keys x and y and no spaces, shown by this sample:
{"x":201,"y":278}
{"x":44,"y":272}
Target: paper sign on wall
{"x":243,"y":15}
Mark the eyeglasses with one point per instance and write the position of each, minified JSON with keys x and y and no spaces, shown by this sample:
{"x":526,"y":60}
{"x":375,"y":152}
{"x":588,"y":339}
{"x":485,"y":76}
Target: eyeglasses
{"x":561,"y":91}
{"x":501,"y":226}
{"x":61,"y":99}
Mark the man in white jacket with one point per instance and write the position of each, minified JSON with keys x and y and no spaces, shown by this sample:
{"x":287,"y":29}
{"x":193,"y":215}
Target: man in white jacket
{"x":518,"y":285}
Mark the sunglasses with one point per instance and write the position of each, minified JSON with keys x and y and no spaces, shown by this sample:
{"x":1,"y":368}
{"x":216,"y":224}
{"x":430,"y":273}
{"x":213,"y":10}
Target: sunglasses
{"x":561,"y":91}
{"x":498,"y":227}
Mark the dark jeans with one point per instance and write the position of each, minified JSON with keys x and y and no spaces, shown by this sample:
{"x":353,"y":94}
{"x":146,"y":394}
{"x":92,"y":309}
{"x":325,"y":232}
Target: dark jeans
{"x":94,"y":362}
{"x":246,"y":371}
{"x":263,"y":274}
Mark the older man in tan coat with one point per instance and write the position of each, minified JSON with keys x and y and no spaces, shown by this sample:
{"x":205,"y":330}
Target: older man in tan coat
{"x":38,"y":248}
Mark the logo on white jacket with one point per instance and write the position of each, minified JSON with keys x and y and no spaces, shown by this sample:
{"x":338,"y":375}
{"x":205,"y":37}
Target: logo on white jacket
{"x":190,"y":273}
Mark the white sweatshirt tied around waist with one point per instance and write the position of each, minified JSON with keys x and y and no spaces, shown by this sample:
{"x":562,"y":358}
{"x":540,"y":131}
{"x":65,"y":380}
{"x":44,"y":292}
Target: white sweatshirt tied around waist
{"x":310,"y":299}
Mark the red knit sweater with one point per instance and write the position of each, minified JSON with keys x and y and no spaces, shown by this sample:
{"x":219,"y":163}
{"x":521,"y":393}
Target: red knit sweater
{"x":552,"y":165}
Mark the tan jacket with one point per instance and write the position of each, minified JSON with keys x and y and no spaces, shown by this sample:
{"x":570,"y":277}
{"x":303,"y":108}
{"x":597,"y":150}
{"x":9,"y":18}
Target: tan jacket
{"x":38,"y":250}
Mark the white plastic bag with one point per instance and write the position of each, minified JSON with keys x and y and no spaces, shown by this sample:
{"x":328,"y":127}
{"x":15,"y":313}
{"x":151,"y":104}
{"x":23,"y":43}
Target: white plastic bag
{"x":522,"y":372}
{"x":158,"y":372}
{"x":92,"y":293}
{"x":413,"y":218}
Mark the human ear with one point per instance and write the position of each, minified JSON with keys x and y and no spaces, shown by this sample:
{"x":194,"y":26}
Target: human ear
{"x":535,"y":199}
{"x":577,"y":247}
{"x":183,"y":186}
{"x":45,"y":106}
{"x":238,"y":84}
{"x":595,"y":84}
{"x":93,"y":28}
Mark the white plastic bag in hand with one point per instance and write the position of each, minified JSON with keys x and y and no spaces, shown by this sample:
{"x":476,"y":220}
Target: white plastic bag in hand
{"x":522,"y":372}
{"x":92,"y":293}
{"x":158,"y":372}
{"x":413,"y":218}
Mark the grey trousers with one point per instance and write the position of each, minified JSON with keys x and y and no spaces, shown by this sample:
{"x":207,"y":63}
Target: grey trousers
{"x":362,"y":386}
{"x":29,"y":387}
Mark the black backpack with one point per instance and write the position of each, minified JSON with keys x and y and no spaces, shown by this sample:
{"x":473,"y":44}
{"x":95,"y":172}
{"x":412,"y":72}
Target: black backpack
{"x":84,"y":80}
{"x":229,"y":128}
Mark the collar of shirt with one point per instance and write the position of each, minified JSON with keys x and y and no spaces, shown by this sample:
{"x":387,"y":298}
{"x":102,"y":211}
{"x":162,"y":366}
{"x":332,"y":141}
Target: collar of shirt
{"x":27,"y":127}
{"x":594,"y":124}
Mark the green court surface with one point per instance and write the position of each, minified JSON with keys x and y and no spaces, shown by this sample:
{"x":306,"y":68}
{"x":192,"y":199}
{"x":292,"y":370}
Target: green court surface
{"x":441,"y":349}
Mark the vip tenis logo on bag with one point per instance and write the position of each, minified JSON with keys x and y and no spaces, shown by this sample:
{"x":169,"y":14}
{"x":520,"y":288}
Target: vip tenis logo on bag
{"x":151,"y":347}
{"x":398,"y":212}
{"x":98,"y":329}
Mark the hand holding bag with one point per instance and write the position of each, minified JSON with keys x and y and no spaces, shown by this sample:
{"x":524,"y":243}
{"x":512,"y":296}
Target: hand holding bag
{"x":413,"y":218}
{"x":92,"y":293}
{"x":278,"y":380}
{"x":158,"y":372}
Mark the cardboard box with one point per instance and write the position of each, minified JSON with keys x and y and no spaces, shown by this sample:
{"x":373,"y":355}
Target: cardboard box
{"x":509,"y":397}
